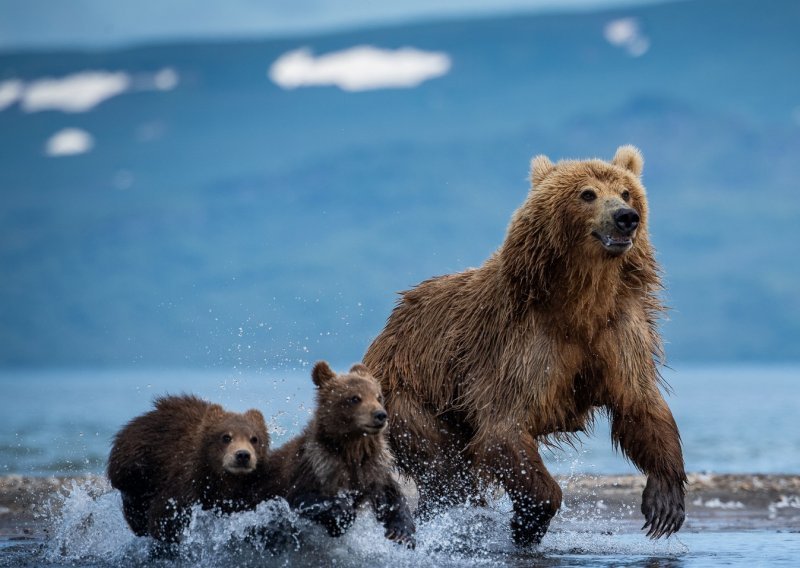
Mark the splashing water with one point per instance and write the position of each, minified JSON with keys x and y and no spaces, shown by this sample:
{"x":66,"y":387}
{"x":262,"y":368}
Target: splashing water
{"x":87,"y":528}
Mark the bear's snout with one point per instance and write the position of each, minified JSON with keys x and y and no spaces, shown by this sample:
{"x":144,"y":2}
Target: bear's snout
{"x":379,"y":418}
{"x":241,"y":458}
{"x":626,"y":220}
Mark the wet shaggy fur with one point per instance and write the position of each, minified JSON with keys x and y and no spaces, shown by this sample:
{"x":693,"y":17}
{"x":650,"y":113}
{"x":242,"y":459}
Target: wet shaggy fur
{"x":184,"y":452}
{"x":342,"y":458}
{"x":482,"y":366}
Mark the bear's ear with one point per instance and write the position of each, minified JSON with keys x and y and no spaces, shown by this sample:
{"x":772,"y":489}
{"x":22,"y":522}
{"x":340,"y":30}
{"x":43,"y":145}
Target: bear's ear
{"x":360,"y":369}
{"x":540,"y":167}
{"x":322,"y":373}
{"x":255,"y":416}
{"x":630,"y":158}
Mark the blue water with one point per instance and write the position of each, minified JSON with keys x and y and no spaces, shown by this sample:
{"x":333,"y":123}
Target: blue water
{"x":90,"y":531}
{"x":732,"y":419}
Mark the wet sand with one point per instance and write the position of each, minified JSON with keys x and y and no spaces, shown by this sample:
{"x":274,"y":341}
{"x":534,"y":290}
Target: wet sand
{"x":721,"y":502}
{"x":724,"y":502}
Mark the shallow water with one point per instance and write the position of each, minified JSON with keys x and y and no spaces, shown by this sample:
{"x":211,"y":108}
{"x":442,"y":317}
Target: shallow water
{"x":732,"y":420}
{"x":91,"y":531}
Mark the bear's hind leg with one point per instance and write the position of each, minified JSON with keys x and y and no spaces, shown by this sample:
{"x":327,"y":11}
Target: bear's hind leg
{"x":430,"y":450}
{"x":535,"y":495}
{"x":447,"y":483}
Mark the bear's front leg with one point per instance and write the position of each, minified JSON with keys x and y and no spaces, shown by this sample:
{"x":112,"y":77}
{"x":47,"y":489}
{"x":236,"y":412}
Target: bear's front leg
{"x":392,"y":510}
{"x":646,"y":431}
{"x":168,"y":519}
{"x":534,"y":493}
{"x":336,"y":513}
{"x":135,"y":508}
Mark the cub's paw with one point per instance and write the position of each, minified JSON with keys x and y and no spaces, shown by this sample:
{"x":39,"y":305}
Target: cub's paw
{"x":337,"y":515}
{"x":274,"y":538}
{"x":402,"y":532}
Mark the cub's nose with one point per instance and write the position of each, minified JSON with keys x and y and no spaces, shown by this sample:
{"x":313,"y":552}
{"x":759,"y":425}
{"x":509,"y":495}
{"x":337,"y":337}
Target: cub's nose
{"x":242,"y":457}
{"x":379,"y":417}
{"x":626,"y":220}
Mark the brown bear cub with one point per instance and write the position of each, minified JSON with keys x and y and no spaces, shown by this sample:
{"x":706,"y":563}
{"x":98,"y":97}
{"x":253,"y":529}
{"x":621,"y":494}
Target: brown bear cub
{"x":342,"y":458}
{"x":184,"y":452}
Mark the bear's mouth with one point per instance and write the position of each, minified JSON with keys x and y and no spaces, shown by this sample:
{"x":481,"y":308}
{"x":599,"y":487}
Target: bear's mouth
{"x":614,"y":245}
{"x":239,"y":469}
{"x":231,"y":465}
{"x":372,"y":430}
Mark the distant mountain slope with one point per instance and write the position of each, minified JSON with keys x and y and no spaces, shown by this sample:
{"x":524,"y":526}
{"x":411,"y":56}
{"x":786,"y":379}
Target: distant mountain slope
{"x":230,"y":222}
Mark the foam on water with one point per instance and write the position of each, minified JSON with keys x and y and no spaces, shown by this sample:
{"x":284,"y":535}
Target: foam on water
{"x":88,"y":528}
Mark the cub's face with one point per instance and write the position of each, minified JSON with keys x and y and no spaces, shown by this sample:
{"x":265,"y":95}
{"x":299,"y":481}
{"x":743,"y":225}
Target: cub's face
{"x":349,"y":404}
{"x":360,"y":404}
{"x":598,"y":206}
{"x":237,"y":443}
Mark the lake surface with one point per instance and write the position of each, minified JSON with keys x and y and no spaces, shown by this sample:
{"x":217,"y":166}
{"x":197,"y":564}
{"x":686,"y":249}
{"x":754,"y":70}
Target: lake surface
{"x":732,"y":419}
{"x":90,"y":531}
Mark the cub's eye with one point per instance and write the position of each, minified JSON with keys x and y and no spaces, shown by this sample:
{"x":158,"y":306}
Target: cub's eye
{"x":254,"y":441}
{"x":588,"y":195}
{"x":380,"y":398}
{"x":226,"y":439}
{"x":626,"y":195}
{"x":354,"y":399}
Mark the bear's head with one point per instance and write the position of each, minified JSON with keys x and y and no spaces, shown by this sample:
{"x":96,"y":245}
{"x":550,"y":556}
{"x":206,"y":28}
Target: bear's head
{"x":582,"y":227}
{"x":350,"y":404}
{"x":597,"y":206}
{"x":235,"y":443}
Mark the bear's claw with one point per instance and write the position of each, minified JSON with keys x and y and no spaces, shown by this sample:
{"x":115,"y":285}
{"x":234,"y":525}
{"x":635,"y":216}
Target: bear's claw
{"x":663,"y":507}
{"x":401,"y":536}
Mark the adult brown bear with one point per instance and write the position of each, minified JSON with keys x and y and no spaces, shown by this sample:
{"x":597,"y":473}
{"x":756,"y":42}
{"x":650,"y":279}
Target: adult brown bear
{"x":481,"y":366}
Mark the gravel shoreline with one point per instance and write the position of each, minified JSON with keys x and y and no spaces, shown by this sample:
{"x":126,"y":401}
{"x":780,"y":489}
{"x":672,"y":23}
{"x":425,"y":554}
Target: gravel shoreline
{"x":726,"y":502}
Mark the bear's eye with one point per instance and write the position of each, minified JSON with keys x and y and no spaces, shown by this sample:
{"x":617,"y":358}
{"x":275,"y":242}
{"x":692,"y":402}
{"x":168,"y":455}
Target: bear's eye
{"x":226,"y":438}
{"x":254,"y":440}
{"x":588,"y":195}
{"x":626,"y":195}
{"x":354,"y":399}
{"x":380,"y":398}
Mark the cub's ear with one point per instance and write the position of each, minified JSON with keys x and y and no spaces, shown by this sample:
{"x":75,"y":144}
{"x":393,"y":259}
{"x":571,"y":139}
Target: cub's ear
{"x":322,"y":373}
{"x":360,"y":369}
{"x":630,"y":158}
{"x":255,"y":416}
{"x":540,"y":167}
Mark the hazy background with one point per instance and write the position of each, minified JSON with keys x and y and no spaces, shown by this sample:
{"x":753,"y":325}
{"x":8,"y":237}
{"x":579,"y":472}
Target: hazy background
{"x":230,"y":185}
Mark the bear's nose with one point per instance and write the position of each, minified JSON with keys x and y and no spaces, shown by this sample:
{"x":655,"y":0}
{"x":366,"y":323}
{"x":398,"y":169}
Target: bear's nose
{"x":379,"y":416}
{"x":626,"y":220}
{"x":242,"y":457}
